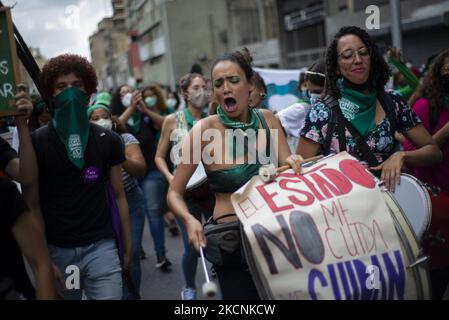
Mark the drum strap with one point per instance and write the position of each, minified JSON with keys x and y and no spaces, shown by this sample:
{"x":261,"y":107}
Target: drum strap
{"x":341,"y":123}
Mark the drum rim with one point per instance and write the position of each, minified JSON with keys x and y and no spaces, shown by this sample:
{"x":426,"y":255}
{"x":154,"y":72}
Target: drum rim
{"x":407,"y":245}
{"x":428,"y":204}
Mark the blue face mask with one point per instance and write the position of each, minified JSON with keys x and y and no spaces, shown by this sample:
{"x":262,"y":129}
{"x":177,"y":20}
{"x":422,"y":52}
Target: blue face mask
{"x":150,"y":101}
{"x":314,"y":97}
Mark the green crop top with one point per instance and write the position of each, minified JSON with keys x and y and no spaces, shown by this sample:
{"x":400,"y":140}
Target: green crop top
{"x":231,"y":179}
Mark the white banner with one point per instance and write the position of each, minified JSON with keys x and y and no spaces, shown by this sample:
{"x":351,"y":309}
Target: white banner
{"x":326,"y":234}
{"x":282,"y":86}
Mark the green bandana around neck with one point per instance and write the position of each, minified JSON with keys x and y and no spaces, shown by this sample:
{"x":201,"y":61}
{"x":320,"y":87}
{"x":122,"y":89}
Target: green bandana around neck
{"x":134,"y":121}
{"x":72,"y":124}
{"x":189,"y":118}
{"x":239,"y":127}
{"x":358,"y":108}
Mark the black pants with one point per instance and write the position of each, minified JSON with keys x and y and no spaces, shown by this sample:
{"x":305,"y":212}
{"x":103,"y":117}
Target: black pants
{"x":235,"y":280}
{"x":440,"y":280}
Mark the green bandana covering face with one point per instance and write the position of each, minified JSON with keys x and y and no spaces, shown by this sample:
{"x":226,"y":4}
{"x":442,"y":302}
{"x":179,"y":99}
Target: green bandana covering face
{"x":72,"y":124}
{"x":358,"y":108}
{"x":189,"y":119}
{"x":243,"y":126}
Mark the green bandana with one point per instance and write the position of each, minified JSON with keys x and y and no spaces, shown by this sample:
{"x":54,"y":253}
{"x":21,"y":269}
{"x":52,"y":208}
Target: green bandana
{"x":72,"y":124}
{"x":135,"y":121}
{"x":239,"y":128}
{"x":358,"y":108}
{"x":189,"y":119}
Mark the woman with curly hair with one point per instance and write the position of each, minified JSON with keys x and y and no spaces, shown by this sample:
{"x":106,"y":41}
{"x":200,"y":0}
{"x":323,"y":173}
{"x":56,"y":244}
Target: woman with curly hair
{"x":367,"y":115}
{"x":79,"y":166}
{"x":432,"y":107}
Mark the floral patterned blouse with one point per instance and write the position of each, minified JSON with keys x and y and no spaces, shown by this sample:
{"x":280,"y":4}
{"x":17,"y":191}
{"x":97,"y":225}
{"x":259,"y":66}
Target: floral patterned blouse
{"x":380,"y":140}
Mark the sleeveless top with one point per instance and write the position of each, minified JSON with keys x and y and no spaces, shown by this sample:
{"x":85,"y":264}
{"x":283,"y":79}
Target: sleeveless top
{"x":231,"y":179}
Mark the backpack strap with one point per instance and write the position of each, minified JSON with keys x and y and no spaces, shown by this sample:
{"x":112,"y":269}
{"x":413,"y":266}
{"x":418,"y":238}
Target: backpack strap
{"x":387,"y":104}
{"x":333,"y":106}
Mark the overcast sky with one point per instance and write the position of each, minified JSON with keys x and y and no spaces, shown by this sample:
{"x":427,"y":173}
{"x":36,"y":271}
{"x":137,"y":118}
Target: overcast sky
{"x":58,"y":26}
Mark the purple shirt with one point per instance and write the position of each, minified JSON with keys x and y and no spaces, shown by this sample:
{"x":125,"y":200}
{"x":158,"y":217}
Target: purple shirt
{"x":437,"y":175}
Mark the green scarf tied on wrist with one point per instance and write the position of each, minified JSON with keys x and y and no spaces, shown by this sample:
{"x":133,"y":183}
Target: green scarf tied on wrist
{"x":239,"y":128}
{"x":358,"y":108}
{"x":72,"y":124}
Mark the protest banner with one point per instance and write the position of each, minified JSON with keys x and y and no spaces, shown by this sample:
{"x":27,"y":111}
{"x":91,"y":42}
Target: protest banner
{"x":282,"y":87}
{"x":325,"y":234}
{"x":9,"y":73}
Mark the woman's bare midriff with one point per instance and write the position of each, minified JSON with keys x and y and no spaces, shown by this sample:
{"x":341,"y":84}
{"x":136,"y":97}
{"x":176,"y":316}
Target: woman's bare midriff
{"x":223,"y":206}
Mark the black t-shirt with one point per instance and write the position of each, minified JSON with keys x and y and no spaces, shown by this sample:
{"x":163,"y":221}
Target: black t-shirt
{"x":73,"y":201}
{"x":147,"y":137}
{"x":6,"y":154}
{"x":11,"y":265}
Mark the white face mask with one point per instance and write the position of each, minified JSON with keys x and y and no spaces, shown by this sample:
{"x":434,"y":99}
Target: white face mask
{"x":171,"y":103}
{"x":199,"y":98}
{"x":126,"y":99}
{"x":105,"y":123}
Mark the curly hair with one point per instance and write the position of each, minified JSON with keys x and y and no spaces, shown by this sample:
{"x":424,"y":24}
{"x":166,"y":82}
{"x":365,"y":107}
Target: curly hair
{"x":160,"y":104}
{"x":432,"y":88}
{"x":63,"y":65}
{"x":379,"y":71}
{"x":117,"y":108}
{"x":242,"y":58}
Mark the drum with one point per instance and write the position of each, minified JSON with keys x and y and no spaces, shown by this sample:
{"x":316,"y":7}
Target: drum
{"x":418,"y":279}
{"x":413,"y":197}
{"x":198,"y":178}
{"x":198,"y":190}
{"x":278,"y":253}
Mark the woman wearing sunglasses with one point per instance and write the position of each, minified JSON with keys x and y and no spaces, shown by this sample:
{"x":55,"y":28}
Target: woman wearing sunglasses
{"x":368,"y":116}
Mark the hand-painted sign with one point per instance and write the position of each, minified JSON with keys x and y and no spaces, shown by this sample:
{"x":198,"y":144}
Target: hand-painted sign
{"x":8,"y":64}
{"x":322,"y":234}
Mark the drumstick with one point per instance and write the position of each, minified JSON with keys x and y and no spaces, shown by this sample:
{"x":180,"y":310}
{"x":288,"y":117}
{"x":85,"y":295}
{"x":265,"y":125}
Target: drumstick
{"x":287,"y":166}
{"x":268,"y":173}
{"x":209,"y":288}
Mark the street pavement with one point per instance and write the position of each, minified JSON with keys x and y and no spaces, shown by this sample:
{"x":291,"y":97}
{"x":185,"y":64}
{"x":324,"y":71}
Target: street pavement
{"x":160,"y":285}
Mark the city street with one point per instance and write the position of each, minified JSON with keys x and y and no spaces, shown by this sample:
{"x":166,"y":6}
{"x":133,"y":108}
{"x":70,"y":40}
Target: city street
{"x":160,"y":285}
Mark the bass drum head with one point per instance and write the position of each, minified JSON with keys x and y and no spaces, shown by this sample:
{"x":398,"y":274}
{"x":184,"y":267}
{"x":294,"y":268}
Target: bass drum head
{"x":417,"y":277}
{"x":413,"y":198}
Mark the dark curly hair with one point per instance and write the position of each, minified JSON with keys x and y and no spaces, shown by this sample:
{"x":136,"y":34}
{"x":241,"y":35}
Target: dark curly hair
{"x":63,"y":65}
{"x":117,"y":108}
{"x":242,"y":58}
{"x":432,"y":88}
{"x":379,"y":72}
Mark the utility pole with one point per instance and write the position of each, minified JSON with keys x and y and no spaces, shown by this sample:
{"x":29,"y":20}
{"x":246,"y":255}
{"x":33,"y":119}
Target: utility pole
{"x":396,"y":33}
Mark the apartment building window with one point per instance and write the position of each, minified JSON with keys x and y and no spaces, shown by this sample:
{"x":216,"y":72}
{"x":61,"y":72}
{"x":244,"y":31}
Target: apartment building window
{"x":246,"y":19}
{"x":271,"y":19}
